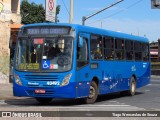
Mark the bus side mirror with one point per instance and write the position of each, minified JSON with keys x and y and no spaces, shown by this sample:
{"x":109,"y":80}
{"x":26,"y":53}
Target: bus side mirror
{"x":80,"y":42}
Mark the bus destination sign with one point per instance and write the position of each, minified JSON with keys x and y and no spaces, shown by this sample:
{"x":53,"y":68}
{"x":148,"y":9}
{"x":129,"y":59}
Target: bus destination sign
{"x":47,"y":31}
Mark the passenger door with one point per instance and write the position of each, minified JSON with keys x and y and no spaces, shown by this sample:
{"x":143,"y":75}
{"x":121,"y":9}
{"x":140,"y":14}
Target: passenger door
{"x":83,"y":69}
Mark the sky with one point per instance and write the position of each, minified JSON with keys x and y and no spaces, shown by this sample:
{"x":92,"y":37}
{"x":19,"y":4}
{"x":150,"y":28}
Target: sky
{"x":130,"y":16}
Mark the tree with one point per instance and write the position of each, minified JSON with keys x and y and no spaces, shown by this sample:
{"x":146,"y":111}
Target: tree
{"x":57,"y":12}
{"x":33,"y":13}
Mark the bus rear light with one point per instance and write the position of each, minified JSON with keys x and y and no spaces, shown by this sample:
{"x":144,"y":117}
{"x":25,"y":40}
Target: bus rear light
{"x":66,"y":80}
{"x":17,"y":80}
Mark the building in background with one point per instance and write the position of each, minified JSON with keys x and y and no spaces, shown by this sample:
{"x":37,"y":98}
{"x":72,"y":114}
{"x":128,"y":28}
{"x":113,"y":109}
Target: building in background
{"x":154,"y":51}
{"x":155,"y":57}
{"x":10,"y":20}
{"x":159,"y":50}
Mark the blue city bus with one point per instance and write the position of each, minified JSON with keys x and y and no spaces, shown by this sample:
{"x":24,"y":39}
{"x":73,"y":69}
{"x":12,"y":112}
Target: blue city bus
{"x":54,"y":60}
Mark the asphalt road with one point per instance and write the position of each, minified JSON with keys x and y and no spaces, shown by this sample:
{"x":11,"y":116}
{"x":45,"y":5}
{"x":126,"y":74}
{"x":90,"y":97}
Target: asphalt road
{"x":146,"y":99}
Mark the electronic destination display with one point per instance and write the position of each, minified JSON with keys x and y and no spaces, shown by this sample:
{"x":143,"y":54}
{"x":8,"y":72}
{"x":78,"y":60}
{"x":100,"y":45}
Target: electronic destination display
{"x":47,"y":31}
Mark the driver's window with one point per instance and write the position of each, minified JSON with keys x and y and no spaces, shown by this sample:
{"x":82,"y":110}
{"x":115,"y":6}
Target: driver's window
{"x":82,"y":54}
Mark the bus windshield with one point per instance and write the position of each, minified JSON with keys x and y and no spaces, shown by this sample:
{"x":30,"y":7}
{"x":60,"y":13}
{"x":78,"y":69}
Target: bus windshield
{"x":44,"y":54}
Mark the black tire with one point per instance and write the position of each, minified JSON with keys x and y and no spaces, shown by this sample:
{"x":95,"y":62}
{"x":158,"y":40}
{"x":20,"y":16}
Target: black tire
{"x":44,"y":100}
{"x":93,"y":93}
{"x":132,"y":89}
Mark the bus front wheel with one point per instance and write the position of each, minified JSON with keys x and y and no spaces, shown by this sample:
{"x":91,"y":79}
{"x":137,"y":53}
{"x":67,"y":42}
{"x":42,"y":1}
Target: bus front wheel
{"x":93,"y":93}
{"x":44,"y":100}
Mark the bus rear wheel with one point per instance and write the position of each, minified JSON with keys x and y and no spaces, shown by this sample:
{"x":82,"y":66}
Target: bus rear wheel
{"x":93,"y":93}
{"x":44,"y":100}
{"x":132,"y":89}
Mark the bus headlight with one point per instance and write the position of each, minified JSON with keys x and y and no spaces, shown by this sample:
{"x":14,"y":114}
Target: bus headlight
{"x":17,"y":79}
{"x":66,"y":80}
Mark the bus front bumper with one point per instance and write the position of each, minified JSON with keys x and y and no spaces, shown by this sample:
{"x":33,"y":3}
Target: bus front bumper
{"x":68,"y":91}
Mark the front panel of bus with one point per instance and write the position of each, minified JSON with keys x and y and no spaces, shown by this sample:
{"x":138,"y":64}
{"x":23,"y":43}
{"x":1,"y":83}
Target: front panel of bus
{"x":43,"y":64}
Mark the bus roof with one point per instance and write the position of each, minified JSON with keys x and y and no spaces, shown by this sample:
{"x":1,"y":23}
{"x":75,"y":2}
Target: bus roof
{"x":92,"y":30}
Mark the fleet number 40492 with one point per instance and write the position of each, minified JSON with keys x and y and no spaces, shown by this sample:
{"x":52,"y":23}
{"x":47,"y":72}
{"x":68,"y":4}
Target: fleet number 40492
{"x":53,"y":83}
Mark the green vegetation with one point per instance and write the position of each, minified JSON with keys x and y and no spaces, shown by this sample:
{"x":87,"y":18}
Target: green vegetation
{"x":34,"y":13}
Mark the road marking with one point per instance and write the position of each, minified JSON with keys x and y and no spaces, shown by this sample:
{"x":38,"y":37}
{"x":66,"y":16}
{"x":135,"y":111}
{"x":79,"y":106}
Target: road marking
{"x":103,"y":105}
{"x":112,"y":101}
{"x":155,"y":84}
{"x":1,"y":101}
{"x":155,"y":80}
{"x":147,"y":90}
{"x":108,"y":107}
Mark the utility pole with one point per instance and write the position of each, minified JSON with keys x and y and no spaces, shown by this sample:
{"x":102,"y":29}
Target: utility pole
{"x":71,"y":12}
{"x":101,"y":24}
{"x":84,"y":18}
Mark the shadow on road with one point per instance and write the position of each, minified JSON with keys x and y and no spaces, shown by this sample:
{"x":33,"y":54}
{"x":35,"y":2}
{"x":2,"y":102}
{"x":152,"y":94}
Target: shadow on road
{"x":113,"y":96}
{"x":64,"y":102}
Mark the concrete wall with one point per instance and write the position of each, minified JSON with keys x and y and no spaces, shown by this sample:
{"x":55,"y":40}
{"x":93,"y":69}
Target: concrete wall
{"x":15,"y":6}
{"x":6,"y":18}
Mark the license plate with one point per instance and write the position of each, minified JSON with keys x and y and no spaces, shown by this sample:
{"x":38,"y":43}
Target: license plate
{"x":40,"y":91}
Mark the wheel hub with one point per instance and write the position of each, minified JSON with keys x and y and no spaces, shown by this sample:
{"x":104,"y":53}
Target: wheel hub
{"x":92,"y":92}
{"x":133,"y":87}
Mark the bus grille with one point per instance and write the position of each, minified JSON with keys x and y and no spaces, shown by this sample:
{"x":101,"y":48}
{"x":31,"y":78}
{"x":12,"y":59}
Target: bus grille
{"x":42,"y":77}
{"x":32,"y":93}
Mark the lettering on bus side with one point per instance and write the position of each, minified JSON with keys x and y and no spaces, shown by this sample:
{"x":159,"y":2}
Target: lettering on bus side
{"x":133,"y":68}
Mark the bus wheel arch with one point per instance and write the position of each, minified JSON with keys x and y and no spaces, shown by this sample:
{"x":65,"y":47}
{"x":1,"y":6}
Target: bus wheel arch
{"x":96,"y":80}
{"x":93,"y":91}
{"x":134,"y":77}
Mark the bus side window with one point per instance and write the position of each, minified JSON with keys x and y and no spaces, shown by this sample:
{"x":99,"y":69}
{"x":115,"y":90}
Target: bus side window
{"x":82,"y":54}
{"x":96,"y":47}
{"x":145,"y":52}
{"x":129,"y":50}
{"x":119,"y":49}
{"x":108,"y":48}
{"x":138,"y":51}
